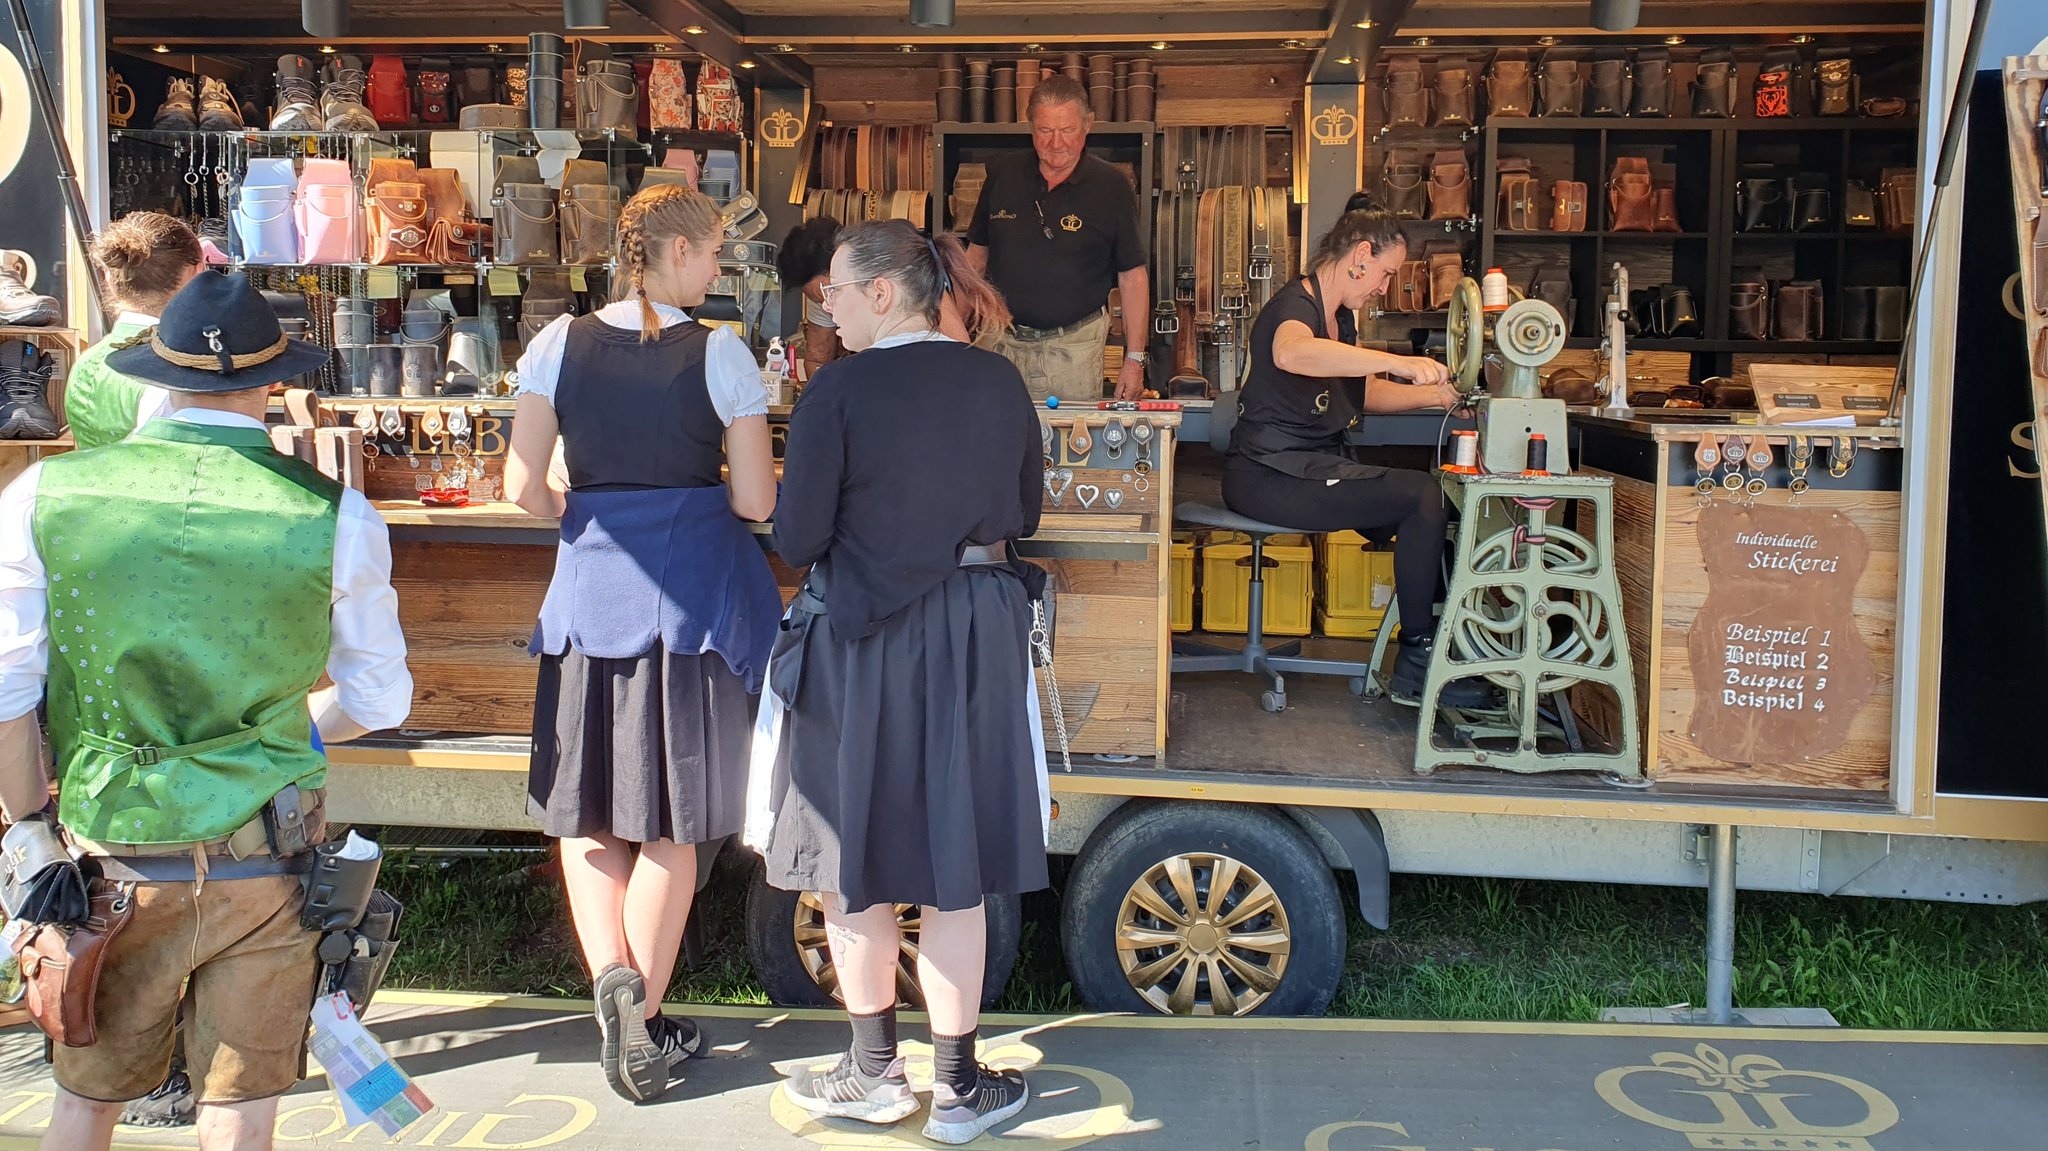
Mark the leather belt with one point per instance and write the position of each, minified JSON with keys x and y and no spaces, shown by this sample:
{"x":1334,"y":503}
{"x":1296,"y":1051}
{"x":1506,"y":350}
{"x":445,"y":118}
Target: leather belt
{"x":1186,"y":205}
{"x":1205,"y":261}
{"x":1234,"y":295}
{"x":1260,"y":270}
{"x":1023,"y":332}
{"x":1165,"y":230}
{"x":183,"y":869}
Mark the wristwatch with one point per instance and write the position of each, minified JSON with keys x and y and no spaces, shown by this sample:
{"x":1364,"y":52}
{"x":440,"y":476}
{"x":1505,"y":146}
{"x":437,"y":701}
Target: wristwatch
{"x":1138,"y":355}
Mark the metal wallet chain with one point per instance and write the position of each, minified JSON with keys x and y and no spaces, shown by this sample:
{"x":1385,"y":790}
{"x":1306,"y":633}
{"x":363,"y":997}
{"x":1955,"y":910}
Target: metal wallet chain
{"x":1041,"y":645}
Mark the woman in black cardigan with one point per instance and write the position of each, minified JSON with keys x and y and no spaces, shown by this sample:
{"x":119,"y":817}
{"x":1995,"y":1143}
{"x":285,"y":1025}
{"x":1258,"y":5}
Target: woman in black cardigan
{"x":909,"y":765}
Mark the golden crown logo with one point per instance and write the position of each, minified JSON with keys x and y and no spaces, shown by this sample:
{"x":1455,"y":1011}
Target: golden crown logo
{"x":1070,"y":222}
{"x":781,"y":129}
{"x":120,"y":100}
{"x":1739,"y":1104}
{"x":1333,"y":126}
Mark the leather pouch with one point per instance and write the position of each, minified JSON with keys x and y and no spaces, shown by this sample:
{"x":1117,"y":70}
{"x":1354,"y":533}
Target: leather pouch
{"x":435,"y":81}
{"x":524,"y":170}
{"x":1796,"y":310}
{"x":1889,"y":324}
{"x":1402,"y":180}
{"x":61,"y":966}
{"x":1411,"y":287}
{"x":478,"y":84}
{"x":1678,"y":318}
{"x":1813,"y":205}
{"x":1645,"y":318}
{"x":1510,"y":90}
{"x":1450,"y":186}
{"x":608,"y":98}
{"x":1573,"y":386}
{"x":447,"y":209}
{"x":1859,"y":206}
{"x":1568,"y":206}
{"x":461,"y":241}
{"x":1895,"y":192}
{"x":1749,"y":310}
{"x":1725,"y":393}
{"x":1713,"y":86}
{"x":398,"y":223}
{"x":389,"y":97}
{"x":1631,"y":195}
{"x":1859,"y":313}
{"x":1554,"y":287}
{"x":1772,"y":93}
{"x":1607,"y":88}
{"x":1652,"y":95}
{"x":1884,"y":107}
{"x":265,"y":232}
{"x":1760,"y":205}
{"x":1454,"y":93}
{"x":525,"y":226}
{"x":1407,"y":99}
{"x":1518,"y":209}
{"x":39,"y":881}
{"x":590,"y":216}
{"x":1665,"y":200}
{"x":390,"y":170}
{"x":1446,"y":268}
{"x":668,"y":97}
{"x":1564,"y":90}
{"x":1835,"y":86}
{"x":538,"y":311}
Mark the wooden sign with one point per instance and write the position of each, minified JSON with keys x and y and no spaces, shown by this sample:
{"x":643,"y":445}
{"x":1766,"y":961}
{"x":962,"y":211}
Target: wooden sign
{"x":1779,"y":668}
{"x":1829,"y":394}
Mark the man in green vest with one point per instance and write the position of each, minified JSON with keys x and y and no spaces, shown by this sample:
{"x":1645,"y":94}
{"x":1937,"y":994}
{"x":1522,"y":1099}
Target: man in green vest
{"x":175,"y":596}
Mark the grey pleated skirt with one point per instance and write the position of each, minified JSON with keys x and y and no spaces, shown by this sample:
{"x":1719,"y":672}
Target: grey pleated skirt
{"x":905,"y":772}
{"x":648,"y":748}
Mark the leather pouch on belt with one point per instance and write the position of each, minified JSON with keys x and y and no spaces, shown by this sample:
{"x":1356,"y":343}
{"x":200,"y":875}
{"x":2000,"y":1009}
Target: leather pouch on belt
{"x":61,"y":966}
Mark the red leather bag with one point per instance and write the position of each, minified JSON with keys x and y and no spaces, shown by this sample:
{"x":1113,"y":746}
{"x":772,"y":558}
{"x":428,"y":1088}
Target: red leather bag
{"x":389,"y":97}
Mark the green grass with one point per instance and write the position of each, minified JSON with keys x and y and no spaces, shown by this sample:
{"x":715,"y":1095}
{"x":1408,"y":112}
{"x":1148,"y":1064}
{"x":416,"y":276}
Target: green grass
{"x":1459,"y":949}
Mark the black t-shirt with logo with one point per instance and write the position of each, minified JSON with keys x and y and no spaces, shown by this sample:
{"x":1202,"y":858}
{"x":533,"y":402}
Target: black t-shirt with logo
{"x":1050,"y":282}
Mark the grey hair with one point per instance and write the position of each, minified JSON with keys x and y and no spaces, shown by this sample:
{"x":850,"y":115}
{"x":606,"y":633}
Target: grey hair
{"x":1055,"y":90}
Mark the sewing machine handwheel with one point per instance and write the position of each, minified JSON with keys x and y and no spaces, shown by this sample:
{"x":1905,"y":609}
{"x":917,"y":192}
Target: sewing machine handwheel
{"x":1464,"y":336}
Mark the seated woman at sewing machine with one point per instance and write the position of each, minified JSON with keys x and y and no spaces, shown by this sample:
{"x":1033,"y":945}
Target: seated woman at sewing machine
{"x":1288,"y":463}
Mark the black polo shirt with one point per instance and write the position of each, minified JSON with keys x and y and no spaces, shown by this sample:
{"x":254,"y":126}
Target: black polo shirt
{"x":1093,"y":218}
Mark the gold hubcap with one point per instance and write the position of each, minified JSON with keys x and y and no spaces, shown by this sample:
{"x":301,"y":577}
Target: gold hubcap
{"x":815,"y":950}
{"x":1203,"y":934}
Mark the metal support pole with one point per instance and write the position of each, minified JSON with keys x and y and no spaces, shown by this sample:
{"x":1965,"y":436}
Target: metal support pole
{"x":1721,"y":925}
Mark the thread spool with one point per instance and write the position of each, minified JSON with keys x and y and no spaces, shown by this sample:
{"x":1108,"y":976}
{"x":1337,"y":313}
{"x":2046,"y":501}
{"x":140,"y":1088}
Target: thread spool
{"x":1539,"y":456}
{"x":1464,"y":452}
{"x":1493,"y":291}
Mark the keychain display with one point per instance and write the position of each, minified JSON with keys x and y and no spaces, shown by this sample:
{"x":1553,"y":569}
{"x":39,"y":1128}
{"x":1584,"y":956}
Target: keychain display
{"x":1798,"y":458}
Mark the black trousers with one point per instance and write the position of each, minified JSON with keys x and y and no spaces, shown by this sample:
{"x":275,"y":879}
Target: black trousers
{"x":1407,"y":504}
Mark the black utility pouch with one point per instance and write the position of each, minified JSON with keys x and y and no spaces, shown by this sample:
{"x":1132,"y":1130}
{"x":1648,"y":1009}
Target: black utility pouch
{"x":355,"y":959}
{"x":284,"y":818}
{"x":338,"y":888}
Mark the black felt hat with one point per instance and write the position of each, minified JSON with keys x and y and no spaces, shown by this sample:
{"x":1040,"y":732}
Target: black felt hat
{"x":217,"y":335}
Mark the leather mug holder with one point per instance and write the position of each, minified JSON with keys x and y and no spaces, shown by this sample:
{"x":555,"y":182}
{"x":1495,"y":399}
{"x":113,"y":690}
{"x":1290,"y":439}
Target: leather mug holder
{"x":1749,"y":310}
{"x":1454,"y":94}
{"x":1510,"y":89}
{"x":1450,"y":186}
{"x":1564,"y":90}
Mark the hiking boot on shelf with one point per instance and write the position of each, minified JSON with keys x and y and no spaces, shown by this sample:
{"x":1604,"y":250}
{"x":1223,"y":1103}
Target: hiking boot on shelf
{"x":180,"y":110}
{"x":298,"y":100}
{"x":341,"y":98}
{"x":219,"y":110}
{"x":25,"y":380}
{"x":19,"y":306}
{"x":1411,"y":673}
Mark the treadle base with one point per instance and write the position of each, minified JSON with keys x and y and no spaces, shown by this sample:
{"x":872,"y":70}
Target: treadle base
{"x":1534,"y":609}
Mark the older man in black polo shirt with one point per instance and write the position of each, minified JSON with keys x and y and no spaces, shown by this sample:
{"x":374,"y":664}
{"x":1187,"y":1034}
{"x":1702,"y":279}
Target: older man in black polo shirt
{"x":1055,"y":231}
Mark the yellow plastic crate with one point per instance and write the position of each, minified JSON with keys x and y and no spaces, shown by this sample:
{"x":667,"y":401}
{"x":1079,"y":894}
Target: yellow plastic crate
{"x":1358,"y":584}
{"x":1181,"y":569}
{"x":1290,"y":587}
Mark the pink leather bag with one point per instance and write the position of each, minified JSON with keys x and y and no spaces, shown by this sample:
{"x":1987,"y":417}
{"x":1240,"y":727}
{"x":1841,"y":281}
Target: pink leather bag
{"x":329,"y":214}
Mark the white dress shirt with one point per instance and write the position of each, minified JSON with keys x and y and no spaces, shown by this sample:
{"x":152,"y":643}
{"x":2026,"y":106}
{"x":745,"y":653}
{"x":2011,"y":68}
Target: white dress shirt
{"x":365,"y":657}
{"x":729,"y":368}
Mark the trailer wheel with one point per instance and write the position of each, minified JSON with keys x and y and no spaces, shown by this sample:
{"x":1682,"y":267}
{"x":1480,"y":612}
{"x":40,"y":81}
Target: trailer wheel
{"x":786,"y":944}
{"x":1203,"y":909}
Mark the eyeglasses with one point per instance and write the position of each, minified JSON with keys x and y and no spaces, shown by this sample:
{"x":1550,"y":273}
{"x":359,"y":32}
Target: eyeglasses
{"x":826,"y":290}
{"x":1040,"y":205}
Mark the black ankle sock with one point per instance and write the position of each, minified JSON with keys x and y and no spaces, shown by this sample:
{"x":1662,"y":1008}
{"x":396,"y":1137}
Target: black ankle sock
{"x":874,"y":1042}
{"x":953,"y":1061}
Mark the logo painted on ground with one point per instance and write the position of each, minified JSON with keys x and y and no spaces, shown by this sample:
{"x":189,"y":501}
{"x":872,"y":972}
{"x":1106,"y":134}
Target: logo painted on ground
{"x":1748,"y":1102}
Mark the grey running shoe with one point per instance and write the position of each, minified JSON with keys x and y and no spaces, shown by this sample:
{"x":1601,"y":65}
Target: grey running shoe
{"x":180,"y":110}
{"x":20,"y":306}
{"x":170,"y":1105}
{"x":634,"y":1066}
{"x":25,"y":380}
{"x":844,"y":1093}
{"x":956,"y":1119}
{"x":219,"y":110}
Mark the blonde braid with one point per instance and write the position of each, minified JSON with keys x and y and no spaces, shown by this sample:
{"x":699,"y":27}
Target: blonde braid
{"x":662,"y":212}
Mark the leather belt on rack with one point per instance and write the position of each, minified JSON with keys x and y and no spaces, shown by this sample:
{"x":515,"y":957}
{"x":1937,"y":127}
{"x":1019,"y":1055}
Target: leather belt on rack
{"x":1233,"y":295}
{"x":1260,"y":270}
{"x":1165,"y":320}
{"x":1205,"y":260}
{"x":1187,"y":205}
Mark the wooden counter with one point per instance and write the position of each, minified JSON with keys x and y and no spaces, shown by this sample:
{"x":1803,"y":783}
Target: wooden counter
{"x":1762,"y":630}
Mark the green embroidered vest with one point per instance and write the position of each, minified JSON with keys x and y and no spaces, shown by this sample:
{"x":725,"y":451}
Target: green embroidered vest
{"x":100,"y":402}
{"x":191,"y":571}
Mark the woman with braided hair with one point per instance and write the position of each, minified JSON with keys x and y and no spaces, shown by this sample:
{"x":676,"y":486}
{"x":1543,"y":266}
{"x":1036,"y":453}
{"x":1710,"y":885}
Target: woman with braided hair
{"x":656,"y":628}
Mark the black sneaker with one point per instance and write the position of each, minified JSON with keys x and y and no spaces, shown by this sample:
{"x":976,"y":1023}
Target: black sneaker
{"x":677,"y":1037}
{"x":844,"y":1093}
{"x":25,"y":381}
{"x":955,"y":1118}
{"x":170,"y":1105}
{"x":634,"y":1066}
{"x":1411,"y":673}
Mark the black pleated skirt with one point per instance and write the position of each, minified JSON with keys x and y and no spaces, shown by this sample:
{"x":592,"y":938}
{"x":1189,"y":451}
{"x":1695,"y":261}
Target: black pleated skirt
{"x":906,"y":769}
{"x":648,"y":748}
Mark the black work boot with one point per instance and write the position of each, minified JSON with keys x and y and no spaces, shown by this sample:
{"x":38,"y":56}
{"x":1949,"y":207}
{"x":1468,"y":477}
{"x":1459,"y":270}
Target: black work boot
{"x":180,"y":110}
{"x":341,"y":98}
{"x":25,"y":380}
{"x":298,"y":102}
{"x":19,"y":306}
{"x":1411,"y":673}
{"x":219,"y":109}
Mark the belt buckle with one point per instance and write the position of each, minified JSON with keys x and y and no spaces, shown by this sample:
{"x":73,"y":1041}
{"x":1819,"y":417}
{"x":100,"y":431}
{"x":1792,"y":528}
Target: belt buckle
{"x":147,"y":757}
{"x":1184,"y":284}
{"x":1234,"y":299}
{"x":1165,"y":319}
{"x":1187,"y":176}
{"x":1261,"y":268}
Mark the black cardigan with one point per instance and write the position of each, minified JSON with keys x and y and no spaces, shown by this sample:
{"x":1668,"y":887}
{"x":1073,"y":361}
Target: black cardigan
{"x":898,"y":458}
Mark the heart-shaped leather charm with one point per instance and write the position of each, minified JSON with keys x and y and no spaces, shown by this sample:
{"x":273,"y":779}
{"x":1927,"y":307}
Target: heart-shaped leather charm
{"x":1057,"y":482}
{"x":1087,"y":494}
{"x":1114,"y":498}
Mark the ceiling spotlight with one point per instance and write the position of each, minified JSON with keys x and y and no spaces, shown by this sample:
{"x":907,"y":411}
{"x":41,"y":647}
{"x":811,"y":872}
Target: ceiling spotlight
{"x":663,"y":48}
{"x":746,"y":63}
{"x":1034,"y":47}
{"x":1363,"y":24}
{"x":1546,"y":41}
{"x":1674,"y":38}
{"x":931,"y":13}
{"x":1294,"y":43}
{"x":327,"y":49}
{"x":581,"y":15}
{"x":906,"y":48}
{"x":1422,"y":41}
{"x":324,"y":18}
{"x":1617,"y":15}
{"x":162,"y":49}
{"x":1160,"y":45}
{"x":1347,"y":59}
{"x":1803,"y":38}
{"x":785,"y":47}
{"x":694,"y":29}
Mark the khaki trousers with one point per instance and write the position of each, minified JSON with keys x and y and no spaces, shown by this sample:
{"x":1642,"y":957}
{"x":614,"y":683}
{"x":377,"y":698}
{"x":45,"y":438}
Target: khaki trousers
{"x":1067,"y":365}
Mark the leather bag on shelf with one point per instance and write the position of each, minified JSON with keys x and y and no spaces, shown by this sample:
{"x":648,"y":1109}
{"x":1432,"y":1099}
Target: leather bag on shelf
{"x":1796,"y":310}
{"x":1713,"y":85}
{"x":526,"y":225}
{"x":389,"y":95}
{"x":1607,"y":85}
{"x":1563,"y":88}
{"x":1407,"y":100}
{"x":1896,"y":189}
{"x":1859,"y":205}
{"x":436,"y":78}
{"x":1760,"y":205}
{"x":1631,"y":195}
{"x":668,"y":97}
{"x":1401,"y":181}
{"x":1889,"y":325}
{"x":1410,"y":290}
{"x":1454,"y":93}
{"x":1859,"y":313}
{"x":1568,"y":200}
{"x":1749,"y":310}
{"x":1450,"y":186}
{"x":1813,"y":205}
{"x":399,"y":223}
{"x":1518,"y":207}
{"x":1510,"y":89}
{"x":328,"y":213}
{"x":1446,"y":268}
{"x":1677,"y":316}
{"x":1834,"y":84}
{"x":1553,"y":286}
{"x":1652,"y":89}
{"x":1665,"y":201}
{"x":1775,"y":92}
